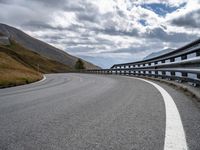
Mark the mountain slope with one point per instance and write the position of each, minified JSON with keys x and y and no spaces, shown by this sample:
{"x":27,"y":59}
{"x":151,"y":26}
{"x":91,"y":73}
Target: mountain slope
{"x":13,"y":72}
{"x":155,"y":54}
{"x":19,"y":65}
{"x":40,"y":47}
{"x":33,"y":60}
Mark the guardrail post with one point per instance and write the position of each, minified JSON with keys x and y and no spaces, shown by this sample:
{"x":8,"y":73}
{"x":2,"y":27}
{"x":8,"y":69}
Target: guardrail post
{"x":198,"y":53}
{"x":139,"y":73}
{"x":150,"y":73}
{"x":198,"y":77}
{"x":163,"y":74}
{"x":172,"y":59}
{"x":183,"y":57}
{"x":144,"y":73}
{"x":172,"y":75}
{"x":156,"y":74}
{"x":184,"y":74}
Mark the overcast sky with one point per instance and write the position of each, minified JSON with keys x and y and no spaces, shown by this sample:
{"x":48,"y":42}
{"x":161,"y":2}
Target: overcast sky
{"x":106,"y":31}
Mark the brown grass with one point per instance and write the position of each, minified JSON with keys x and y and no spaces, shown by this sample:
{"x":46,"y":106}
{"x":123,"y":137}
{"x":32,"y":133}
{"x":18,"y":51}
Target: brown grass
{"x":14,"y":73}
{"x":19,"y":65}
{"x":33,"y":59}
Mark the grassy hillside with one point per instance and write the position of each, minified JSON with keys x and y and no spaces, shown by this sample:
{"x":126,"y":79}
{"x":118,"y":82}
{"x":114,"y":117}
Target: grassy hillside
{"x":20,"y":66}
{"x":14,"y":73}
{"x":33,"y":60}
{"x":41,"y":47}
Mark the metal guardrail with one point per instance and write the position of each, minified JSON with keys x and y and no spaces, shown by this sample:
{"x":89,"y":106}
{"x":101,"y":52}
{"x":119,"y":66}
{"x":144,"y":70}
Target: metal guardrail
{"x":182,"y":64}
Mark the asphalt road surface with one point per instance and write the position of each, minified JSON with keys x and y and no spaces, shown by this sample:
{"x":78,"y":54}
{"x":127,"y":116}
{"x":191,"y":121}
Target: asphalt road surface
{"x":85,"y":112}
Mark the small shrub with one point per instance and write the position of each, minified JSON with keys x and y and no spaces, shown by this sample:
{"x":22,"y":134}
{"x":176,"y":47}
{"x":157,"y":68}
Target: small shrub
{"x":79,"y":65}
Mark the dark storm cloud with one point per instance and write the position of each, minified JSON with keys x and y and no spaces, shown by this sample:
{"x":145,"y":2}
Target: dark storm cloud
{"x":4,"y":1}
{"x":39,"y":25}
{"x":191,"y":20}
{"x":162,"y":35}
{"x":113,"y":31}
{"x":152,"y":45}
{"x":86,"y":41}
{"x":56,"y":37}
{"x":80,"y":49}
{"x":132,"y":50}
{"x":50,"y":3}
{"x":88,"y":12}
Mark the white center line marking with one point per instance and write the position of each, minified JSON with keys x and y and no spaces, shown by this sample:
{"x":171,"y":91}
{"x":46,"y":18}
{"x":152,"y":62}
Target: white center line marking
{"x":174,"y":132}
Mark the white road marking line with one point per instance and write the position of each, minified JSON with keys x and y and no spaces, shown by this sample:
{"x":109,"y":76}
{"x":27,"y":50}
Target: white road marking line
{"x":44,"y":78}
{"x":174,"y":132}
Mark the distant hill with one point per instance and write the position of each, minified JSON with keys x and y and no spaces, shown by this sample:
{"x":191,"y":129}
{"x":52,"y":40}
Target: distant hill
{"x":41,"y":48}
{"x":155,"y":54}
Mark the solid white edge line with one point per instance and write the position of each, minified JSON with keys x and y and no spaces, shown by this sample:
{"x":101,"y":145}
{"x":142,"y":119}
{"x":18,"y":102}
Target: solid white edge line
{"x":174,"y":132}
{"x":44,"y":78}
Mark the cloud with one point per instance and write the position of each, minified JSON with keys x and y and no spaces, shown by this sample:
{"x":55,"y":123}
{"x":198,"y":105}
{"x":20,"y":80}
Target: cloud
{"x":190,"y":20}
{"x":106,"y":31}
{"x":162,"y":35}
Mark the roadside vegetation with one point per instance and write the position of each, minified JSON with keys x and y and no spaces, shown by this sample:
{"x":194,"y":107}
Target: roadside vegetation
{"x":79,"y":65}
{"x":19,"y":65}
{"x":14,"y":73}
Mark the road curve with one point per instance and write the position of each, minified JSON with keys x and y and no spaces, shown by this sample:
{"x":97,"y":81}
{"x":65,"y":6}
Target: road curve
{"x":80,"y":111}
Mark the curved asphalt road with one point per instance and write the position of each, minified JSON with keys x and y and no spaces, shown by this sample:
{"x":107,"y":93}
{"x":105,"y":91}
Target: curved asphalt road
{"x":79,"y":111}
